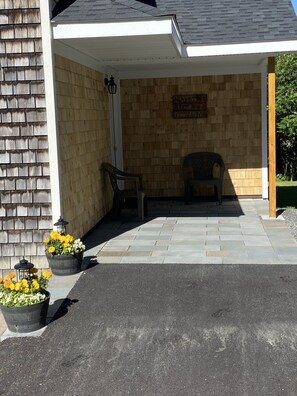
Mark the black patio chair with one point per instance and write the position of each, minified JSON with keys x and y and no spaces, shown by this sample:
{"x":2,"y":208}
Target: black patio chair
{"x":122,"y":194}
{"x":199,"y":169}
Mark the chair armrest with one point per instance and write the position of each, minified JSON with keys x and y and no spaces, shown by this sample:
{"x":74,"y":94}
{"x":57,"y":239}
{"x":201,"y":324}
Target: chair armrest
{"x":132,"y":177}
{"x":118,"y":174}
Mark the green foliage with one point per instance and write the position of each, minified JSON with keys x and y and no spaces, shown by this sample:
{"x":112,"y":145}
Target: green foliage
{"x":286,"y":113}
{"x":280,"y":177}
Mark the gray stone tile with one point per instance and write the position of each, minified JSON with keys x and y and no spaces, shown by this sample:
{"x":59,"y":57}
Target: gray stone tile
{"x":188,"y":237}
{"x":253,"y":231}
{"x":140,"y":248}
{"x":109,"y":260}
{"x":231,"y":237}
{"x":258,"y":240}
{"x":287,"y":251}
{"x":114,"y":248}
{"x":124,"y":237}
{"x":152,"y":237}
{"x":188,"y":249}
{"x":282,"y":242}
{"x":238,"y":245}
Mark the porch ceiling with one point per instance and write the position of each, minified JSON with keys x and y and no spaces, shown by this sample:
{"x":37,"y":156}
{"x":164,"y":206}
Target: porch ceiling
{"x":144,"y":55}
{"x":117,"y":50}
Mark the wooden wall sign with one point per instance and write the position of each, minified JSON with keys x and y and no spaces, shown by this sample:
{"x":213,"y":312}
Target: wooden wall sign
{"x":189,"y":106}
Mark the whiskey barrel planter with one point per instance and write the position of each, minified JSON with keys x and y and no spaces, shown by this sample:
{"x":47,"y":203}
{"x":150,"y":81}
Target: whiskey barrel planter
{"x":65,"y":264}
{"x":27,"y":318}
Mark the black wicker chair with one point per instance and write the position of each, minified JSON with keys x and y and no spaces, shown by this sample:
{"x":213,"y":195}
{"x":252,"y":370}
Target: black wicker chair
{"x":198,"y":169}
{"x":121,"y":195}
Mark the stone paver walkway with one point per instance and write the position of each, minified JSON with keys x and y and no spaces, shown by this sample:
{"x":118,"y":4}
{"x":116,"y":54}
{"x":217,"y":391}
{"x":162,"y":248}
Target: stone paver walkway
{"x":236,"y":232}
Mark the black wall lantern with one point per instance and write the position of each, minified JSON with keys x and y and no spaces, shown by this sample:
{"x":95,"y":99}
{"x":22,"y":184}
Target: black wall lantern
{"x":111,"y":85}
{"x":23,"y":269}
{"x":61,"y":226}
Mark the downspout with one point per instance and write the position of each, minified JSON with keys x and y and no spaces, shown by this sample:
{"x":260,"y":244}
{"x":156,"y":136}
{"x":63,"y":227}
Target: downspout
{"x":116,"y":126}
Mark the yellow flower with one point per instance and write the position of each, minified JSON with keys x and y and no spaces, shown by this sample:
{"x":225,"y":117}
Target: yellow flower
{"x":7,"y":284}
{"x":51,"y":249}
{"x":10,"y":276}
{"x":62,"y":238}
{"x":11,"y":286}
{"x":69,"y":238}
{"x":47,"y":274}
{"x":1,"y":280}
{"x":55,"y":235}
{"x":26,"y":290}
{"x":24,"y":282}
{"x":35,"y":284}
{"x":17,"y":286}
{"x":46,"y":240}
{"x":66,"y":245}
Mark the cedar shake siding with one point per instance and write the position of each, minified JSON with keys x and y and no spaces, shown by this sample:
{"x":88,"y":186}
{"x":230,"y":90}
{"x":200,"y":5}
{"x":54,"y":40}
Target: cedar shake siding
{"x":154,"y":143}
{"x":24,"y":164}
{"x":84,"y":135}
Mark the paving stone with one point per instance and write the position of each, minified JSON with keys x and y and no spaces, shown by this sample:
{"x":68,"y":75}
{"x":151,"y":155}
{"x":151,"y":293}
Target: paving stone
{"x":237,"y":234}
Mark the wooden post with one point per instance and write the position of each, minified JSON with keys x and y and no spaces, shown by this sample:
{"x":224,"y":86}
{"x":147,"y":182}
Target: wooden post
{"x":271,"y":137}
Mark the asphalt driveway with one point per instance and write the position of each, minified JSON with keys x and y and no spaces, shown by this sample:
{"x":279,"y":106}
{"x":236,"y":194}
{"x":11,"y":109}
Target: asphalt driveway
{"x":177,"y":330}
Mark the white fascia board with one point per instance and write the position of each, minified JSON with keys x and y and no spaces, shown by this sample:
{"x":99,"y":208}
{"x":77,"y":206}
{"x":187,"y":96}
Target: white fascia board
{"x":274,"y":47}
{"x":113,"y":29}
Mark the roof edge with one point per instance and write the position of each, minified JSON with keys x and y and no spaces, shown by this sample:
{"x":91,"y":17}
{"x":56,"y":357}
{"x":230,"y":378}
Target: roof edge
{"x":263,"y":47}
{"x":151,"y":27}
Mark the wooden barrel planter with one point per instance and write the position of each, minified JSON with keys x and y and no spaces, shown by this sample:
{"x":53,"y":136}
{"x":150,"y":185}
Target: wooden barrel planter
{"x":27,"y":318}
{"x":65,"y":264}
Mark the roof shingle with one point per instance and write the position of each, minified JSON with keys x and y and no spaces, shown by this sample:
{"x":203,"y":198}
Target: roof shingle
{"x":200,"y":22}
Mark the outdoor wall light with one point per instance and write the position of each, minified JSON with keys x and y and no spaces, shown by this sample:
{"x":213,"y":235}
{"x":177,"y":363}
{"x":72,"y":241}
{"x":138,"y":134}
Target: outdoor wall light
{"x":111,"y":85}
{"x":61,"y":226}
{"x":23,"y":269}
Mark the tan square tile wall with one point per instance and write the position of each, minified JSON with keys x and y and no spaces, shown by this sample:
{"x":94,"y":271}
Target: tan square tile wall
{"x":154,"y":143}
{"x":83,"y":119}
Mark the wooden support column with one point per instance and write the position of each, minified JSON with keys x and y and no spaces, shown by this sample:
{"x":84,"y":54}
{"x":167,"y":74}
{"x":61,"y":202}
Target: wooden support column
{"x":271,"y":137}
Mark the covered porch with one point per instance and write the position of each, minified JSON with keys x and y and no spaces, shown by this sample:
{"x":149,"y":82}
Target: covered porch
{"x":135,"y":128}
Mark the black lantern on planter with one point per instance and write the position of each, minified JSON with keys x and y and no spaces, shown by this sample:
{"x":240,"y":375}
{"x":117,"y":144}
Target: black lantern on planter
{"x":111,"y":85}
{"x":61,"y":226}
{"x":23,"y":268}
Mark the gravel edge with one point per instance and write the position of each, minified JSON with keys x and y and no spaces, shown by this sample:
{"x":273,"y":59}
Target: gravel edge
{"x":290,"y":216}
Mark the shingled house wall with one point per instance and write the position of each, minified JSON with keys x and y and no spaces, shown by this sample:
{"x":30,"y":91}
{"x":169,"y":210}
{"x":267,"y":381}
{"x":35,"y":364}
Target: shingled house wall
{"x":154,"y":142}
{"x":25,"y":211}
{"x":84,"y":136}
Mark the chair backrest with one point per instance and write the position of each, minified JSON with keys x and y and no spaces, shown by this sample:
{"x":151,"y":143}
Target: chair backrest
{"x":113,"y":174}
{"x":201,"y":165}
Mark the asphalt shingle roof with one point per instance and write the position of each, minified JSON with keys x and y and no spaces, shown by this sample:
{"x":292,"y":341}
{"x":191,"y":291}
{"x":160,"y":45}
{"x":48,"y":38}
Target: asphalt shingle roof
{"x":200,"y":21}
